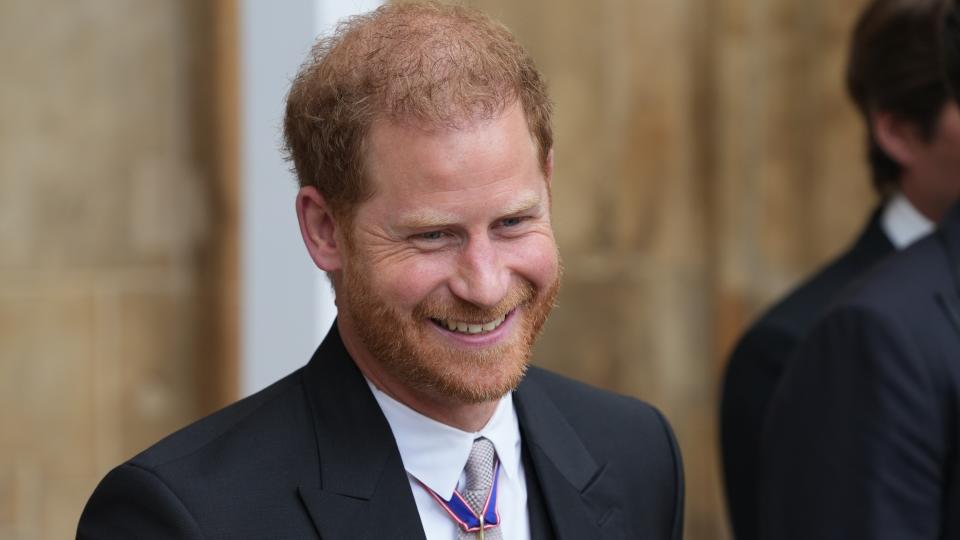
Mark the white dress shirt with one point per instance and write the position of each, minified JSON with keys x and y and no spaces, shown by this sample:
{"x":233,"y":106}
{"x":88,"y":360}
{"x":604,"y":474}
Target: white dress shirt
{"x":902,"y":223}
{"x":435,"y":454}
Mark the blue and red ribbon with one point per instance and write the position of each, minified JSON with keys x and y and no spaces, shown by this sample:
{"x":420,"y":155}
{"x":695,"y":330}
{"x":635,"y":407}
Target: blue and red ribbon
{"x":461,"y":512}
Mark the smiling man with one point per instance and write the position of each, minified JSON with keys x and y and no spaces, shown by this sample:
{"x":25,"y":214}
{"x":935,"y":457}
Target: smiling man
{"x":422,"y":140}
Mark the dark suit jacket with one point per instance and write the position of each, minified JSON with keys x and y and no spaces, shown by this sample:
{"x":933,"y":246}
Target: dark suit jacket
{"x":758,"y":361}
{"x":861,"y":438}
{"x":312,"y":456}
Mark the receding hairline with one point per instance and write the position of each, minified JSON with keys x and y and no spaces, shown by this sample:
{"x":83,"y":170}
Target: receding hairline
{"x":376,"y":137}
{"x":430,"y":63}
{"x":433,"y":218}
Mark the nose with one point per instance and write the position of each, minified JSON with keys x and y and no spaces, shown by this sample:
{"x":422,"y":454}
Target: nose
{"x":481,"y":277}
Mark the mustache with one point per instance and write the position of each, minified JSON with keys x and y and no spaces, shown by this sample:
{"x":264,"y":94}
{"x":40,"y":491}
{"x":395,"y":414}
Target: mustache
{"x":460,"y":310}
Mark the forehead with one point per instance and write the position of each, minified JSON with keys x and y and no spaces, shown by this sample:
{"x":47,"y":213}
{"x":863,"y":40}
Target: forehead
{"x":486,"y":159}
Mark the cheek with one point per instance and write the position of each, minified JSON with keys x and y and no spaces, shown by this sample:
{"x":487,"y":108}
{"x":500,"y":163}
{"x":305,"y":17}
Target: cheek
{"x":949,"y":163}
{"x":408,"y":283}
{"x":537,"y":261}
{"x":952,"y":144}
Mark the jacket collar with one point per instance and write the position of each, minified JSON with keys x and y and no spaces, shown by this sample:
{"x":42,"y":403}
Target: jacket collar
{"x":574,"y":485}
{"x":362,"y":490}
{"x":873,"y":243}
{"x":949,"y":233}
{"x":949,"y":236}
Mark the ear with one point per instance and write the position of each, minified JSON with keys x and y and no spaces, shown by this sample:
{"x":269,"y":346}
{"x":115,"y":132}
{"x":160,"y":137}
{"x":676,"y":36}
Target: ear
{"x":549,"y":168}
{"x":548,"y":175}
{"x":898,"y":137}
{"x":318,"y":229}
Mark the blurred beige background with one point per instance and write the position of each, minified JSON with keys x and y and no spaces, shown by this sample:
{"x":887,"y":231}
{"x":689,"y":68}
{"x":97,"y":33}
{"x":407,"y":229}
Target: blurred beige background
{"x":707,"y":159}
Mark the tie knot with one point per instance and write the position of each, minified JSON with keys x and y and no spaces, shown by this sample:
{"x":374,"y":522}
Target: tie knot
{"x":479,"y":468}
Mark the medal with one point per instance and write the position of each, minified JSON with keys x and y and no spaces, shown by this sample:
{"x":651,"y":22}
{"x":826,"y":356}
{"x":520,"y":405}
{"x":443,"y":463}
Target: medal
{"x":466,"y":518}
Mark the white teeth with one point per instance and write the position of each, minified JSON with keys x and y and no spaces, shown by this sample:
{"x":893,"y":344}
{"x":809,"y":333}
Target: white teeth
{"x":466,"y":328}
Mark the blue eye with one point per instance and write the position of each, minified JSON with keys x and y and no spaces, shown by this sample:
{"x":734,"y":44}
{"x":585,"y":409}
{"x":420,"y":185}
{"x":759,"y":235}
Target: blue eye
{"x":432,"y":235}
{"x":511,"y":222}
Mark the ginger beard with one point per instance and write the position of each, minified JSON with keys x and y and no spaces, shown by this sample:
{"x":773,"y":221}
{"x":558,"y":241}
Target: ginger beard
{"x":410,"y":348}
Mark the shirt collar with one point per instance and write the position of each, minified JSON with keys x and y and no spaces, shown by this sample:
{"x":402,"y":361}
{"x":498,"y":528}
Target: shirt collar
{"x":435,"y":453}
{"x":903,"y":223}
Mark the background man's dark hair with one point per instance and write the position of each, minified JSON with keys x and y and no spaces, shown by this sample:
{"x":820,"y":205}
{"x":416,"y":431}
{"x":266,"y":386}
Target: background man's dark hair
{"x":951,"y":47}
{"x":895,"y":67}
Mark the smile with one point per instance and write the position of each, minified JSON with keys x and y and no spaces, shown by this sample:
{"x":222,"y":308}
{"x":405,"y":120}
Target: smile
{"x":470,"y":328}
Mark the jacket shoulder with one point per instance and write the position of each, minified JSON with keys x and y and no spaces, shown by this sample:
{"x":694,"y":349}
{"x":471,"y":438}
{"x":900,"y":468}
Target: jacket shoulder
{"x":247,"y":414}
{"x":904,"y":280}
{"x":214,"y":474}
{"x":573,"y":395}
{"x":611,"y":423}
{"x":800,"y":309}
{"x":759,"y":357}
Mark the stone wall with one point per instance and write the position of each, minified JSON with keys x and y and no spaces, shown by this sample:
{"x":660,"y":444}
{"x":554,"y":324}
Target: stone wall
{"x":105,"y":225}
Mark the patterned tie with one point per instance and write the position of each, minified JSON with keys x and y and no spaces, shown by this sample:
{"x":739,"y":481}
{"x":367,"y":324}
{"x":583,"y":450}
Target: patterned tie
{"x":479,"y":480}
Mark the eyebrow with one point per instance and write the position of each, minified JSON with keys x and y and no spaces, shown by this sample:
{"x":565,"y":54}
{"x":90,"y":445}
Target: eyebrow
{"x":427,"y":219}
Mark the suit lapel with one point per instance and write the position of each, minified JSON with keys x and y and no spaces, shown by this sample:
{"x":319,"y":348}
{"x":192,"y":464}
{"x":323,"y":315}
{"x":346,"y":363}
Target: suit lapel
{"x":573,"y":484}
{"x":362,"y":490}
{"x":949,"y":236}
{"x":540,"y":524}
{"x":873,"y":243}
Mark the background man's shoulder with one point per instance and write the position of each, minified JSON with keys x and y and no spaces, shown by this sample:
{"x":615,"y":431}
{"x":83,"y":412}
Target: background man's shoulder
{"x":907,"y":278}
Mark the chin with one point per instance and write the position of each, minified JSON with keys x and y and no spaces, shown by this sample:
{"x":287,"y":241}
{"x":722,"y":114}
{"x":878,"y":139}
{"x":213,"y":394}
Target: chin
{"x":472,"y":376}
{"x":483,"y":385}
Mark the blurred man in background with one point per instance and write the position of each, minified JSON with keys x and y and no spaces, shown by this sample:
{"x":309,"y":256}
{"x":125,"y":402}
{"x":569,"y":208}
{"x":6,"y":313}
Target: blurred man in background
{"x":863,"y":433}
{"x":421,"y":136}
{"x":895,"y":78}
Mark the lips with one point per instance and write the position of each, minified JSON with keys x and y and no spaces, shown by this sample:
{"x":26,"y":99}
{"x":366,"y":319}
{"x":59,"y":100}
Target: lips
{"x":464,"y":327}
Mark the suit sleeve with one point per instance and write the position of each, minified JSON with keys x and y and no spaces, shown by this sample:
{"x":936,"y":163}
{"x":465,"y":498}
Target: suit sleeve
{"x":133,"y":502}
{"x":854,"y":444}
{"x":752,"y":374}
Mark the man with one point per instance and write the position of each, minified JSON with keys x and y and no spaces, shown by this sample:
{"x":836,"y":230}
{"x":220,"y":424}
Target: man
{"x":421,"y":136}
{"x":894,"y":77}
{"x":862,"y":436}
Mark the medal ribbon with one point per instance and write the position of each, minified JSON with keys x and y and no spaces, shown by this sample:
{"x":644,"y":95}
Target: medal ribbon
{"x":461,"y":512}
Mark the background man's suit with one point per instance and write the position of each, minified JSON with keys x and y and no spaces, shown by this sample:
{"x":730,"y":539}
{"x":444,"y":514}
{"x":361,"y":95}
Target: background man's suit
{"x":313,"y":456}
{"x":758,"y":362}
{"x":861,"y":439}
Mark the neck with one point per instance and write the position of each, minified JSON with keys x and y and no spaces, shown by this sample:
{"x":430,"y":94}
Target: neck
{"x":469,"y":417}
{"x":933,"y":205}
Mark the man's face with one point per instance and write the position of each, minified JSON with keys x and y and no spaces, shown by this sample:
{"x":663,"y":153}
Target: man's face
{"x":451,"y":267}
